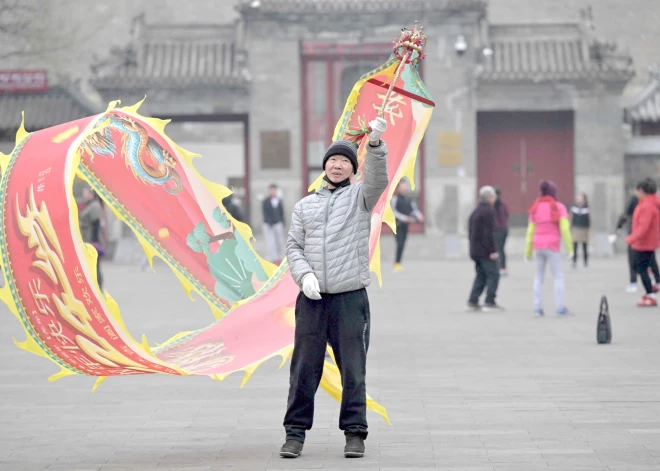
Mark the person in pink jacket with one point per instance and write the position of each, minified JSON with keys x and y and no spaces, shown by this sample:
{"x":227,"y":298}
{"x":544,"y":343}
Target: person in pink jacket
{"x":548,"y":225}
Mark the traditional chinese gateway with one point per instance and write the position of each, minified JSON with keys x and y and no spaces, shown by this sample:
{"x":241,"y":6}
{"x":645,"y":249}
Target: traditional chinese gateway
{"x":516,"y":103}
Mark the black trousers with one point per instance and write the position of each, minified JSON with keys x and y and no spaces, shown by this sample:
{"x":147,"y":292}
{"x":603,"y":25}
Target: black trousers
{"x":584,"y":252}
{"x":642,"y":264}
{"x":343,"y":320}
{"x":401,"y":236}
{"x":99,"y":273}
{"x":633,"y":268}
{"x":501,"y":233}
{"x":488,"y":277}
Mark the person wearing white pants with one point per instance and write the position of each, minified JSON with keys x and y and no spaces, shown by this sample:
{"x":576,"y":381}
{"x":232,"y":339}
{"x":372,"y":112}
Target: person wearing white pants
{"x":548,"y":226}
{"x":274,"y":225}
{"x":553,"y":258}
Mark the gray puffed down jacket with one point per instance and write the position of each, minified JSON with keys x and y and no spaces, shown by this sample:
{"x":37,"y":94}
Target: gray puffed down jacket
{"x":329,"y":233}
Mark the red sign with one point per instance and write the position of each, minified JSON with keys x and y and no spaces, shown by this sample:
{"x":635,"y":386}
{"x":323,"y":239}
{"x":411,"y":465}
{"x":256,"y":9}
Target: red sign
{"x":23,"y":80}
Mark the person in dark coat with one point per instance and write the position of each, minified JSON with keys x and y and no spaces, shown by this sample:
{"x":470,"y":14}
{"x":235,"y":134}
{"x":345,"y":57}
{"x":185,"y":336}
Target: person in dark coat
{"x":273,"y":211}
{"x":232,"y":208}
{"x":501,"y":230}
{"x":91,"y":219}
{"x":406,"y":213}
{"x":484,"y":251}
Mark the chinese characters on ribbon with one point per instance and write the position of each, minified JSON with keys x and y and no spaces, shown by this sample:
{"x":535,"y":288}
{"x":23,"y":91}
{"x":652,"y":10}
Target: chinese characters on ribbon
{"x":63,"y":319}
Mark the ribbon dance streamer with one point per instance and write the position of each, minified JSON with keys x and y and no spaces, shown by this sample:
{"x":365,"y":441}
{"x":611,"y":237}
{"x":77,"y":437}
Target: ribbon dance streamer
{"x":151,"y":185}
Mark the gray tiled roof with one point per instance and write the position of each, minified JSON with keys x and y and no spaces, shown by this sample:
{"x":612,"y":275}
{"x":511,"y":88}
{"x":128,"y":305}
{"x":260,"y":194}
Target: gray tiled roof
{"x":551,"y":52}
{"x":177,"y":64}
{"x":176,"y":56}
{"x":645,"y":105}
{"x":301,"y":6}
{"x":58,"y":105}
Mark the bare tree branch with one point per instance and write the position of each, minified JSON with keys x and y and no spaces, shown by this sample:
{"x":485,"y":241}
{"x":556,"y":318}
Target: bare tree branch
{"x":24,"y":23}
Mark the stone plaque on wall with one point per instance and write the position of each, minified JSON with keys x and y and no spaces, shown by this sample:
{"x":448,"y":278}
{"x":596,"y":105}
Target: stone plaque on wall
{"x":449,"y":145}
{"x":275,"y":150}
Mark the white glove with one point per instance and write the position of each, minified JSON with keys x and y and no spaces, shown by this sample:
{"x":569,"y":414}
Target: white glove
{"x":311,"y":286}
{"x":378,"y":127}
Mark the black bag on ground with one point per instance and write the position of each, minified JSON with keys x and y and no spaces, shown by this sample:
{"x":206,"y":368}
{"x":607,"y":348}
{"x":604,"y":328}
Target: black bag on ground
{"x":604,"y":327}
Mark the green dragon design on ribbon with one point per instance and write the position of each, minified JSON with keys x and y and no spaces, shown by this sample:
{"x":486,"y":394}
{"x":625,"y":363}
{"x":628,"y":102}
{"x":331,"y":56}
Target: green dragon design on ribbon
{"x":233,"y":264}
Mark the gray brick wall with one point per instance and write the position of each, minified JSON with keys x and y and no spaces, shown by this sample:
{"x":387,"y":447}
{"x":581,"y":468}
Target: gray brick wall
{"x":633,"y":22}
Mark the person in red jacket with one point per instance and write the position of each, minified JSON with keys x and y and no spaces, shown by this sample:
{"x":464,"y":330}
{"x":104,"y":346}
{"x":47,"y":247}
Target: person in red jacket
{"x":645,"y":236}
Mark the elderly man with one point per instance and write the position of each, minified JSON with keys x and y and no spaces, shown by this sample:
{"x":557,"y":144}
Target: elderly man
{"x":328,"y":253}
{"x":484,"y":251}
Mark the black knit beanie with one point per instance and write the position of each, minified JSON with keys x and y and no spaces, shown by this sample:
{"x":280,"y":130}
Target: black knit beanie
{"x":345,"y":148}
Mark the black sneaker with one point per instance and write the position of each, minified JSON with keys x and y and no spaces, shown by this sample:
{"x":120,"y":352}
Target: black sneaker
{"x":354,"y":446}
{"x":473,"y":307}
{"x":492,"y":307}
{"x":291,"y":449}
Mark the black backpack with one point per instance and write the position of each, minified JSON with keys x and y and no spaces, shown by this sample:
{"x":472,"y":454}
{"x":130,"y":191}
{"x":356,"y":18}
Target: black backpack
{"x":604,"y":327}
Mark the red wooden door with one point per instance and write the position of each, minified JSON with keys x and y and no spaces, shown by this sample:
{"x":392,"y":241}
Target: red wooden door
{"x":329,"y":72}
{"x":516,"y":150}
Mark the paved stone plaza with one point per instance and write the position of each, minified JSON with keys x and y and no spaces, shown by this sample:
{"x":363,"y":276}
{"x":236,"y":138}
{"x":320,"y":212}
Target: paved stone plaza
{"x":478,"y":392}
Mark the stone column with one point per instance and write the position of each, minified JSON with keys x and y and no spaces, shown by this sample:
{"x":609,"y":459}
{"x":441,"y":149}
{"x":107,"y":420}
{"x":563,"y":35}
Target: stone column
{"x":599,"y":160}
{"x":275,"y":105}
{"x":450,"y":142}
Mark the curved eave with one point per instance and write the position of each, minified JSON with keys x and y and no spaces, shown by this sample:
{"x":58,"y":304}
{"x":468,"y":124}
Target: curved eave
{"x":648,"y":114}
{"x":506,"y":77}
{"x":355,"y":7}
{"x":645,"y":106}
{"x":156,"y":82}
